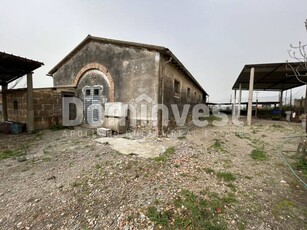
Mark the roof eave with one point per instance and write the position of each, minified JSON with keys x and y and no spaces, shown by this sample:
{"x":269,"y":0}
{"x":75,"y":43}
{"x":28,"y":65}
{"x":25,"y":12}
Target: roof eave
{"x":156,"y":48}
{"x":185,"y":70}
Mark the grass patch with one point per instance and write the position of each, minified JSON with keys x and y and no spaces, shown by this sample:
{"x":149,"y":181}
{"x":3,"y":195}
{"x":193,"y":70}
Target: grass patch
{"x":209,"y":170}
{"x":276,"y":127}
{"x":191,"y":211}
{"x":38,"y":135}
{"x":165,"y":155}
{"x":210,"y":119}
{"x":248,"y":177}
{"x":258,"y":154}
{"x":98,"y":166}
{"x":56,"y":127}
{"x":46,"y":158}
{"x":21,"y":158}
{"x":238,"y":134}
{"x":301,"y":165}
{"x":8,"y":153}
{"x":232,"y":187}
{"x":283,"y":207}
{"x":160,"y":218}
{"x":226,"y":176}
{"x":217,"y":146}
{"x":76,"y":184}
{"x":181,"y":137}
{"x":227,"y":163}
{"x":129,"y":165}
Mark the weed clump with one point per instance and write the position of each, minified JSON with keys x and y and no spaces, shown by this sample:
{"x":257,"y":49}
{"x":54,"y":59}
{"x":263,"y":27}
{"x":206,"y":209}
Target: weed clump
{"x":8,"y":153}
{"x":217,"y":146}
{"x":258,"y":154}
{"x":226,"y":176}
{"x":191,"y":211}
{"x":301,"y":165}
{"x":165,"y":155}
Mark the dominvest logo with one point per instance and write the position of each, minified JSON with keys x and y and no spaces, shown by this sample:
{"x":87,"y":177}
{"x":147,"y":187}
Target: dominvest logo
{"x":142,"y":108}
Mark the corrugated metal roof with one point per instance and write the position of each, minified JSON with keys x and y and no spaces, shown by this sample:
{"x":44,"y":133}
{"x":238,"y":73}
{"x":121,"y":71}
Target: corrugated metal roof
{"x":13,"y":67}
{"x":272,"y":76}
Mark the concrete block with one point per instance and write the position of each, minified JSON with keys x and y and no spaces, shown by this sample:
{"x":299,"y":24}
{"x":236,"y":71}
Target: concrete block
{"x":116,"y":109}
{"x":104,"y":132}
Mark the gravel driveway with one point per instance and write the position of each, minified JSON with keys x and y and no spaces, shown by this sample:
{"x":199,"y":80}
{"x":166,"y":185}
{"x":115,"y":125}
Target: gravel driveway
{"x":217,"y":177}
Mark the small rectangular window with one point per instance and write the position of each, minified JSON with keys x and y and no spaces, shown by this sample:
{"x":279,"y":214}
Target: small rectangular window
{"x":15,"y":105}
{"x":177,"y":87}
{"x":188,"y":93}
{"x":96,"y":92}
{"x":199,"y":98}
{"x":88,"y":92}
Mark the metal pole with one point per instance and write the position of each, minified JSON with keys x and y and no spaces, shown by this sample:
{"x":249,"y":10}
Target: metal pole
{"x":234,"y":104}
{"x":305,"y":104}
{"x":280,"y":100}
{"x":250,"y":97}
{"x":256,"y":111}
{"x":240,"y":95}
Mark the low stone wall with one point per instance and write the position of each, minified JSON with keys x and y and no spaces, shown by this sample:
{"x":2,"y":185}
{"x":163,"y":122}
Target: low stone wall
{"x":47,"y":104}
{"x":17,"y":105}
{"x":47,"y":108}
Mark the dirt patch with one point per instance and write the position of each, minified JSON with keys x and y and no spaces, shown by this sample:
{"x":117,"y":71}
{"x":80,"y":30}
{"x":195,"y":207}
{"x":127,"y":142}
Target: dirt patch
{"x":214,"y":177}
{"x":147,"y":148}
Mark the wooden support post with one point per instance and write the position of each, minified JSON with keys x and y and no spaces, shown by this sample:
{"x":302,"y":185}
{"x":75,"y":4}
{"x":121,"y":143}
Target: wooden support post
{"x":30,"y":109}
{"x":250,"y":97}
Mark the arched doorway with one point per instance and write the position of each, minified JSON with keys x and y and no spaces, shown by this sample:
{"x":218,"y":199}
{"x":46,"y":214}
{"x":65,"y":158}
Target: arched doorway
{"x":93,"y":88}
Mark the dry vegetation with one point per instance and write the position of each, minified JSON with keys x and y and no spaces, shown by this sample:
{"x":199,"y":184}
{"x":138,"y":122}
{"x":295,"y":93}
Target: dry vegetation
{"x":210,"y":178}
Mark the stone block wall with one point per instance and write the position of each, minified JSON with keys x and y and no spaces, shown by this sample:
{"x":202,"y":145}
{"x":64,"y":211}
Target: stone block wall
{"x":47,"y":105}
{"x":17,"y":105}
{"x":47,"y":108}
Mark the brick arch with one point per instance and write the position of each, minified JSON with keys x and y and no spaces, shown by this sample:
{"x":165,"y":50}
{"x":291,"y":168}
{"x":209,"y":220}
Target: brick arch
{"x":105,"y":72}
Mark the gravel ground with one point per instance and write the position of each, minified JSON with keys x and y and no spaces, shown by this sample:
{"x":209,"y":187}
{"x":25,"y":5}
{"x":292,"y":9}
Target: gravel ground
{"x":67,"y":180}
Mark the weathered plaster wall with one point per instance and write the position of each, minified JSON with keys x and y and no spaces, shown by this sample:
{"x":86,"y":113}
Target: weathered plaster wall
{"x":133,"y":71}
{"x":170,"y":74}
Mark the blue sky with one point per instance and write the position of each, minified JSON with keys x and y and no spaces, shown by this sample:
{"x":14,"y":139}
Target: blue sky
{"x":213,"y":38}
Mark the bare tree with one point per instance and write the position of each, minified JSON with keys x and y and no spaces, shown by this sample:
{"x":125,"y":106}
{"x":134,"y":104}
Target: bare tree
{"x":298,"y":53}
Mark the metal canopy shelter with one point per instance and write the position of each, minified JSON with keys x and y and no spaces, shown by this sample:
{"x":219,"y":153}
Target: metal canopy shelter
{"x":11,"y":68}
{"x":270,"y":77}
